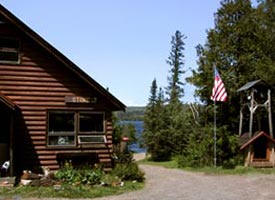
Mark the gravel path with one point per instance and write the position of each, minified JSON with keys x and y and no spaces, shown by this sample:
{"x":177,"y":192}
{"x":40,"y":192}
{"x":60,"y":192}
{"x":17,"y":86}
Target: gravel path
{"x":174,"y":184}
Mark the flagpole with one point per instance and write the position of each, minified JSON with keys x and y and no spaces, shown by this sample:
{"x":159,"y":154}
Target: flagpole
{"x":215,"y":135}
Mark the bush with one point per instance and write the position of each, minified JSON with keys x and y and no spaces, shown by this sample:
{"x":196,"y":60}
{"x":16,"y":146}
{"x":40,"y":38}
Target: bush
{"x":84,"y":175}
{"x":128,"y":172}
{"x":199,"y":149}
{"x":123,"y":157}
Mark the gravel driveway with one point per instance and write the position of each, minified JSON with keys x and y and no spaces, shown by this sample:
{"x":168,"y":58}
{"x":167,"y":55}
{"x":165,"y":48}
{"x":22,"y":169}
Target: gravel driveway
{"x":174,"y":184}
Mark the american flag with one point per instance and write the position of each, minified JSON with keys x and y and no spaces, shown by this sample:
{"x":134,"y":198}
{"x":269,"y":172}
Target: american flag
{"x":218,"y":91}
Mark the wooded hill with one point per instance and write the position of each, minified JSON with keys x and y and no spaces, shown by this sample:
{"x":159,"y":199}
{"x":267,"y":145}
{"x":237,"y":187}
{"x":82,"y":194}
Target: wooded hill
{"x":132,"y":113}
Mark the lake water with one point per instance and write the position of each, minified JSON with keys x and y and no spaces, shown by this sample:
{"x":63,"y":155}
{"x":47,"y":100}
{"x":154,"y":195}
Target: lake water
{"x":139,"y":129}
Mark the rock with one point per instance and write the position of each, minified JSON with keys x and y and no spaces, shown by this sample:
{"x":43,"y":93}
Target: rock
{"x":46,"y":171}
{"x":28,"y":175}
{"x":104,"y":184}
{"x":57,"y":187}
{"x":42,"y":182}
{"x":25,"y":182}
{"x":7,"y":182}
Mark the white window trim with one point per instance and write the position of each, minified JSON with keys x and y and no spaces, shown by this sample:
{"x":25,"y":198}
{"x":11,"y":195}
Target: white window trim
{"x":91,"y":136}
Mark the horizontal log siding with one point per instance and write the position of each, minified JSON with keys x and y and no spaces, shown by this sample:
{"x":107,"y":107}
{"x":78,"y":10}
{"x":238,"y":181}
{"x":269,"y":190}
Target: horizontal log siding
{"x":39,"y":83}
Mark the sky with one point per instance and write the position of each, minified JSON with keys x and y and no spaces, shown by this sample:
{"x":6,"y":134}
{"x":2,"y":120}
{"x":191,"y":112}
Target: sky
{"x":122,"y":44}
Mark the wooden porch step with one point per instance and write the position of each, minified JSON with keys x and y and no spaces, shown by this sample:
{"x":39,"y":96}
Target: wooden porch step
{"x":263,"y":164}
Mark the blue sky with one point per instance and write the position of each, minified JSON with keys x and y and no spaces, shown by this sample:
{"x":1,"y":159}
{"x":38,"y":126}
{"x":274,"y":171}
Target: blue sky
{"x":122,"y":44}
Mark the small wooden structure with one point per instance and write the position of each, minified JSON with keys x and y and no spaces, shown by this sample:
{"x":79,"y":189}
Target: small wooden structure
{"x":258,"y":145}
{"x":50,"y":110}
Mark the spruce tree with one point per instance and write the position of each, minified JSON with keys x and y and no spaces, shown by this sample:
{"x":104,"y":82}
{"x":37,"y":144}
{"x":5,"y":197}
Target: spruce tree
{"x":175,"y":60}
{"x":150,"y":119}
{"x":174,"y":109}
{"x":155,"y":135}
{"x":241,"y":45}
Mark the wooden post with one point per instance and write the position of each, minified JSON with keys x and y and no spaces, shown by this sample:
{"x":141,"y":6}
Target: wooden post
{"x":269,"y":113}
{"x":251,"y":113}
{"x":241,"y":122}
{"x":11,"y":145}
{"x":248,"y":160}
{"x":272,"y":157}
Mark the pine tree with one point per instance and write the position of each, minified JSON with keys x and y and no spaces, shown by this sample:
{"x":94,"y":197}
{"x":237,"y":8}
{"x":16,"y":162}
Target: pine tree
{"x":175,"y":60}
{"x":153,"y":97}
{"x":155,"y":135}
{"x":241,"y":45}
{"x":150,"y":113}
{"x":150,"y":119}
{"x":175,"y":91}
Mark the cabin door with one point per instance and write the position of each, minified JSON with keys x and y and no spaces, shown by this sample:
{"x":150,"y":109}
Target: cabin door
{"x":260,"y":148}
{"x":5,"y":121}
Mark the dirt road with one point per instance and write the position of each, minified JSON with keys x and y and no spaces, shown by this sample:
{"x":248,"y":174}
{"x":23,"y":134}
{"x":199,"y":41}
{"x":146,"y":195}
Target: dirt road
{"x":174,"y":184}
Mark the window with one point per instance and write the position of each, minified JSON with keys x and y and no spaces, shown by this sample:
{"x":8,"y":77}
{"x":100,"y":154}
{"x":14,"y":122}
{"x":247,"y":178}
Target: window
{"x":91,"y":139}
{"x":91,"y":122}
{"x":61,"y":129}
{"x":9,"y":50}
{"x":65,"y":126}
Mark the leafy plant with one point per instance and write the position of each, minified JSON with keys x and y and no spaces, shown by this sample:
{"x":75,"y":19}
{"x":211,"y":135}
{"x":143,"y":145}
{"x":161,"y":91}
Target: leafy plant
{"x":85,"y":175}
{"x":199,"y":150}
{"x":128,"y":171}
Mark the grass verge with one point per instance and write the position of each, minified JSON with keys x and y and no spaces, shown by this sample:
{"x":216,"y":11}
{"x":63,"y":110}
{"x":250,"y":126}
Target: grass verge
{"x":67,"y":191}
{"x":167,"y":164}
{"x":239,"y":170}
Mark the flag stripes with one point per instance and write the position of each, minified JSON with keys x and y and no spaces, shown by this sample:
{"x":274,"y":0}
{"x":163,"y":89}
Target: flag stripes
{"x":218,"y":91}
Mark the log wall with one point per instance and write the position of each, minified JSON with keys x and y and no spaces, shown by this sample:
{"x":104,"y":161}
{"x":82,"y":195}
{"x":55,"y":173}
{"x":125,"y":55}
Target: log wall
{"x":39,"y":83}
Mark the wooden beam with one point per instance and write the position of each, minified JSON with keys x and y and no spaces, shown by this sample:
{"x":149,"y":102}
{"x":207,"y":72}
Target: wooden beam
{"x":248,"y":159}
{"x":11,"y":144}
{"x":251,"y":113}
{"x":270,"y":113}
{"x":241,"y":122}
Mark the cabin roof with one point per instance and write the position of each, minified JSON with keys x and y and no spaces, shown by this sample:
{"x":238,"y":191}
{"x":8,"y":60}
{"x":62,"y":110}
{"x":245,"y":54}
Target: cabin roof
{"x":248,"y":85}
{"x":245,"y":140}
{"x":255,"y":84}
{"x":8,"y":102}
{"x":118,"y":105}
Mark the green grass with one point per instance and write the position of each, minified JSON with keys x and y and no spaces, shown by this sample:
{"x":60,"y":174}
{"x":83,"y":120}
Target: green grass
{"x":67,"y":191}
{"x":239,"y":170}
{"x":167,"y":164}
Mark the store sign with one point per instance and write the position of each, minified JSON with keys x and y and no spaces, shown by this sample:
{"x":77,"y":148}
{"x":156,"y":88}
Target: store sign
{"x":78,"y":99}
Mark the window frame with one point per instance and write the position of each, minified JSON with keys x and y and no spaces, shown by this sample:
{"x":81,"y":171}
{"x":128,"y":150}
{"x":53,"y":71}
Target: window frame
{"x":15,"y":50}
{"x":79,"y":136}
{"x":59,"y":133}
{"x":76,"y":132}
{"x":90,"y":132}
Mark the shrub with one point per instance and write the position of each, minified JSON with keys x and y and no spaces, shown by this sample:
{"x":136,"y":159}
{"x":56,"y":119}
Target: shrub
{"x":84,"y":175}
{"x":128,"y":172}
{"x":199,"y":149}
{"x":123,"y":157}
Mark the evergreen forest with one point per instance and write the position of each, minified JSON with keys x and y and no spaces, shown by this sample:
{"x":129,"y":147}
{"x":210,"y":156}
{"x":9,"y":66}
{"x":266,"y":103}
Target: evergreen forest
{"x":242,"y":47}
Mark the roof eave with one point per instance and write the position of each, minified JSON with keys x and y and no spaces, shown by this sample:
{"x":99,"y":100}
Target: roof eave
{"x":251,"y":140}
{"x":62,"y":58}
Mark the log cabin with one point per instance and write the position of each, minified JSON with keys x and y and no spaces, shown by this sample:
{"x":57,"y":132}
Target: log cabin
{"x":50,"y":110}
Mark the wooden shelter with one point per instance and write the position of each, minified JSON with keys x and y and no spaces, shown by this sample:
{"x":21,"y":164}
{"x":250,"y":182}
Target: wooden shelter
{"x":50,"y":110}
{"x":258,"y":145}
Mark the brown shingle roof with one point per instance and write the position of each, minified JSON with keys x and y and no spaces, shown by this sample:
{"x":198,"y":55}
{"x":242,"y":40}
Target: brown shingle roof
{"x":245,"y":141}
